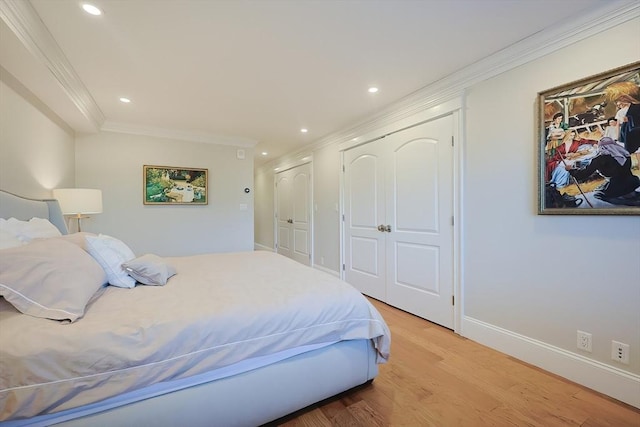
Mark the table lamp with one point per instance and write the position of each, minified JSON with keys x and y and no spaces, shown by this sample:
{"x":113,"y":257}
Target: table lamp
{"x":79,"y":202}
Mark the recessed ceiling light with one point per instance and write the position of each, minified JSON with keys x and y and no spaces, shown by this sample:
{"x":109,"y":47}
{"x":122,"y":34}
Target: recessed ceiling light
{"x":264,"y":153}
{"x":91,"y":9}
{"x":125,"y":100}
{"x":303,"y":130}
{"x":373,"y":89}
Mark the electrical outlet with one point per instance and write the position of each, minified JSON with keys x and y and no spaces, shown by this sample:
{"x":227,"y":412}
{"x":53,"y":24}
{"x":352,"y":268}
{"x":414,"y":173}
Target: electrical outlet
{"x":584,"y":341}
{"x":620,"y":352}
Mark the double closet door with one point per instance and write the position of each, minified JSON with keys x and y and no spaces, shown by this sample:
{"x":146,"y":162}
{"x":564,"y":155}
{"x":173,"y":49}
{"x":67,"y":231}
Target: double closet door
{"x":398,"y":230}
{"x":293,"y":213}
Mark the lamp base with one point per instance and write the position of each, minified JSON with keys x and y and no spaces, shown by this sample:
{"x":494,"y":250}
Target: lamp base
{"x":79,"y":218}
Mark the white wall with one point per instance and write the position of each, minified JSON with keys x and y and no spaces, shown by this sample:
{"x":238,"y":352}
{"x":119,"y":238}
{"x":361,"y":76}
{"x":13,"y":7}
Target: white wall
{"x":327,"y":166}
{"x":264,"y":201}
{"x":113,"y":162}
{"x":545,"y":277}
{"x":538,"y":275}
{"x":36,"y":153}
{"x":530,"y":281}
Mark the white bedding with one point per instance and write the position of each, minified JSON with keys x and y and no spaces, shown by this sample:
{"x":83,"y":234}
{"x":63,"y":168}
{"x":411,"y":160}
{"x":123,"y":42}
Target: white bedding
{"x":218,"y":310}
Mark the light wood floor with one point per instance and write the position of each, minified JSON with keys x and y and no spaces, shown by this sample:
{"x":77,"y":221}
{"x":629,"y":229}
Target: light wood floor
{"x":437,"y":378}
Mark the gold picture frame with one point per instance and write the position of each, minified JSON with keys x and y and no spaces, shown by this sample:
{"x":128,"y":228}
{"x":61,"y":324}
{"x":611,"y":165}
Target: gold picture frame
{"x":170,"y":185}
{"x":589,"y":145}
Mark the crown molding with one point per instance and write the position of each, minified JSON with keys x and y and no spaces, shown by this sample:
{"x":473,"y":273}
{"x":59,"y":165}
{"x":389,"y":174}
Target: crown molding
{"x":11,"y":81}
{"x":24,"y":21}
{"x":537,"y":45}
{"x":177,"y":134}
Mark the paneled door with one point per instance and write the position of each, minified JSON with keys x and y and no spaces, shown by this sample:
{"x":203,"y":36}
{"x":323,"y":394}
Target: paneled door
{"x":398,"y":220}
{"x":293,"y":213}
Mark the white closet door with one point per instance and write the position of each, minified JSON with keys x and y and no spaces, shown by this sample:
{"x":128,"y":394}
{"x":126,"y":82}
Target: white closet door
{"x":293,"y":204}
{"x":284,"y":214}
{"x":301,"y":213}
{"x":404,"y":183}
{"x":419,"y":209}
{"x":364,"y":212}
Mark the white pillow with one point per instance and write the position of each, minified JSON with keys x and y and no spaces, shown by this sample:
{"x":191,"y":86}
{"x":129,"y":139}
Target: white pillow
{"x":49,"y":278}
{"x":26,"y":231}
{"x":111,"y":253}
{"x":9,"y":240}
{"x":149,"y":269}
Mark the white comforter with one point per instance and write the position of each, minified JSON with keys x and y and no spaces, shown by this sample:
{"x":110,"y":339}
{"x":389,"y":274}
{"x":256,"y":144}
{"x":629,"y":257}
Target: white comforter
{"x":219,"y":309}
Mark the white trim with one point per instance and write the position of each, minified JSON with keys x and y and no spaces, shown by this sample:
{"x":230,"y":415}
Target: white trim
{"x":11,"y":81}
{"x":536,"y":46}
{"x":404,"y":121}
{"x":307,"y":160}
{"x":606,"y":379}
{"x":456,"y":172}
{"x":453,"y":107}
{"x":326,"y":270}
{"x":26,"y":24}
{"x":178,"y":134}
{"x":259,"y":247}
{"x":299,"y":158}
{"x":24,"y":21}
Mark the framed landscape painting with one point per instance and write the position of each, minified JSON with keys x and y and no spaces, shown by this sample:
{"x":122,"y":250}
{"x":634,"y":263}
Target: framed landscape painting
{"x":168,"y":185}
{"x":589,"y":145}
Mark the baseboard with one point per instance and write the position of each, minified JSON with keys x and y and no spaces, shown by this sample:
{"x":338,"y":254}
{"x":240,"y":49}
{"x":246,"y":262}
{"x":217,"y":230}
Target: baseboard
{"x":614,"y":382}
{"x":326,"y":270}
{"x":259,"y":247}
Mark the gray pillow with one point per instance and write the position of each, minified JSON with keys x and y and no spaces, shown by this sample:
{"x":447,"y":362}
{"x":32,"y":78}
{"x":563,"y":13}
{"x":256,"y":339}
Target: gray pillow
{"x":49,"y":278}
{"x":149,"y":269}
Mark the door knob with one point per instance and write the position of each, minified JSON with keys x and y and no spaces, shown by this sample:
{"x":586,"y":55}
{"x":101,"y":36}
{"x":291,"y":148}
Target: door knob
{"x":290,"y":221}
{"x":381,"y":227}
{"x":387,"y":229}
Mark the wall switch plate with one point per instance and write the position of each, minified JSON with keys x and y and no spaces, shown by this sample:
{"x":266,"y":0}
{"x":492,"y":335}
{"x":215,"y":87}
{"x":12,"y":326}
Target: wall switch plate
{"x":620,"y":352}
{"x":240,"y":154}
{"x":584,"y":341}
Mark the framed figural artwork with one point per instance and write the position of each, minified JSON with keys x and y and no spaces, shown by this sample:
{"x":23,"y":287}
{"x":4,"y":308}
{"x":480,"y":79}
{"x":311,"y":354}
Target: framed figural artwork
{"x":589,"y":145}
{"x":168,"y":185}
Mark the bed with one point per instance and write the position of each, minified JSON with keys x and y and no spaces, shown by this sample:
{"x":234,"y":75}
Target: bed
{"x":234,"y":339}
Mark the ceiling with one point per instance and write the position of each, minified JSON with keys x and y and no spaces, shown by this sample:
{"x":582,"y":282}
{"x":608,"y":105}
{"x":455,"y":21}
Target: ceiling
{"x":256,"y":72}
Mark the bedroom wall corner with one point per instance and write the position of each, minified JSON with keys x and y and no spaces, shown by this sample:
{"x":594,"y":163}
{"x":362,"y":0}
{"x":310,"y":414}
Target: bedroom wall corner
{"x":113,"y":162}
{"x":327,"y":165}
{"x":37,"y":152}
{"x":264,"y":209}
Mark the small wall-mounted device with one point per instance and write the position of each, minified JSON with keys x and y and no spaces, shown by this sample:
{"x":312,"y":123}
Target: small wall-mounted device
{"x":246,"y":190}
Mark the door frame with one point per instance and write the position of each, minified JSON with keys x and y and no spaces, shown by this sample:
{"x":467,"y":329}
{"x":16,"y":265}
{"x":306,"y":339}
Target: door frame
{"x":303,"y":161}
{"x":452,"y":107}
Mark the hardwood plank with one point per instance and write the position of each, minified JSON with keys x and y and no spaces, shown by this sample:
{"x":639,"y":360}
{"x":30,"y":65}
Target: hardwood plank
{"x":313,"y":418}
{"x":438,"y":378}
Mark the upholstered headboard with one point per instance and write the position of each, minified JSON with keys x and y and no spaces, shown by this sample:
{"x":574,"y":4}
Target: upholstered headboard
{"x":24,"y":209}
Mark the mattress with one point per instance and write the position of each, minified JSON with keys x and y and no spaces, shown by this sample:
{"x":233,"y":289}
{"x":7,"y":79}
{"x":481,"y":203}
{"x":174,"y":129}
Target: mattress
{"x":218,"y":311}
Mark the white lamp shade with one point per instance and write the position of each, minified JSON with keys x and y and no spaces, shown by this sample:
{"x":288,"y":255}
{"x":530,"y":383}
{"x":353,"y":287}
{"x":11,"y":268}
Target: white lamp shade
{"x":79,"y":201}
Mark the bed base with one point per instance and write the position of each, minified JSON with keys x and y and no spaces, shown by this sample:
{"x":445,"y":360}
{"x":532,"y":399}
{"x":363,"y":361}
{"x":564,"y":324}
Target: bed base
{"x":249,"y":399}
